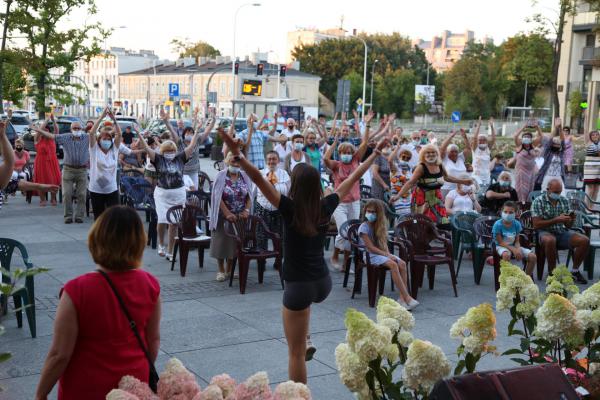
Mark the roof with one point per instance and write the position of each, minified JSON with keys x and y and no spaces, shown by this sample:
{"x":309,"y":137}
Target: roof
{"x":210,"y":67}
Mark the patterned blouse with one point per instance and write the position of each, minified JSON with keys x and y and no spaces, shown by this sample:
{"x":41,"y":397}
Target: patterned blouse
{"x":235,"y":194}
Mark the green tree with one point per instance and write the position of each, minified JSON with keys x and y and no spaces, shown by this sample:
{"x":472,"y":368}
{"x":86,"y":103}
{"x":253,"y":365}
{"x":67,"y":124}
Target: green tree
{"x":395,"y":92}
{"x":186,"y":48}
{"x":356,"y":83}
{"x":14,"y":79}
{"x":51,"y":50}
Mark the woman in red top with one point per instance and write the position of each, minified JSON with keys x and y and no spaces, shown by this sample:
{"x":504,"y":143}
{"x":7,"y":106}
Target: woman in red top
{"x":45,"y":166}
{"x":93,"y":345}
{"x":21,"y":156}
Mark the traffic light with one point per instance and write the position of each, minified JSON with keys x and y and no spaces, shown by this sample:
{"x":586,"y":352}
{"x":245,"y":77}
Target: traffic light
{"x":282,"y":70}
{"x":237,"y":67}
{"x":259,"y":68}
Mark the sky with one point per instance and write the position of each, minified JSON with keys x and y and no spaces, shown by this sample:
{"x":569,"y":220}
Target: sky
{"x":152,"y":24}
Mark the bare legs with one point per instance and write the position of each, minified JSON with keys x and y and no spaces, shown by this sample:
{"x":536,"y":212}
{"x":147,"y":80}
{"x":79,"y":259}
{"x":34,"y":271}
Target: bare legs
{"x":592,"y":192}
{"x":531,"y":261}
{"x":295,"y":326}
{"x":399,"y":276}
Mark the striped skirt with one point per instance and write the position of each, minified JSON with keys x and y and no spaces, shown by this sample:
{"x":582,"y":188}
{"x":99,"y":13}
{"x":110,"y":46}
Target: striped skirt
{"x":591,"y":170}
{"x":273,"y":221}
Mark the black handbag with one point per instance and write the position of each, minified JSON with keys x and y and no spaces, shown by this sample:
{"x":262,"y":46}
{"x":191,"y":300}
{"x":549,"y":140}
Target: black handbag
{"x":153,"y":378}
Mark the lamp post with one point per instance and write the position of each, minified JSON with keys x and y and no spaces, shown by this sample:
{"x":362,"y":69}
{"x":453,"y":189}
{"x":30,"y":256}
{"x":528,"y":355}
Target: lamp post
{"x":364,"y":91}
{"x":234,"y":94}
{"x":372,"y":73}
{"x":105,"y":65}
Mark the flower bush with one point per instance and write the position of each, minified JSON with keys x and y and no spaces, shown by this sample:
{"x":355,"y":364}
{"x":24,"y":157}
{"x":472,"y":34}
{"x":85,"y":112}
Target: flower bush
{"x":560,"y":281}
{"x":177,"y":383}
{"x":475,"y":329}
{"x":557,"y":320}
{"x":425,"y":364}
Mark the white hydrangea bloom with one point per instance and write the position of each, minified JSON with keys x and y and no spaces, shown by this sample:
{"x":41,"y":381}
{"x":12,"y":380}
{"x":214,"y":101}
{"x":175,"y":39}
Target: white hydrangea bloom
{"x":425,"y":365}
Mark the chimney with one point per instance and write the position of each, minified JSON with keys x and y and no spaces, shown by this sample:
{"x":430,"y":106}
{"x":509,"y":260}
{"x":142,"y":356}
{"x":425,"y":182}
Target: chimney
{"x":187,"y":61}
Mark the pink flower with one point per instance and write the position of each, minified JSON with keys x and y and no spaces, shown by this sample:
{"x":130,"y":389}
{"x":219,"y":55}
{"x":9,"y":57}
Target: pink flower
{"x":177,"y":383}
{"x":212,"y":392}
{"x":136,"y":387}
{"x":119,"y":394}
{"x":291,"y":390}
{"x":254,"y":388}
{"x":225,"y":382}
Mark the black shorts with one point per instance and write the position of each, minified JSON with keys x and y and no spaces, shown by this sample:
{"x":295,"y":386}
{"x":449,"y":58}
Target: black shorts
{"x":299,"y":295}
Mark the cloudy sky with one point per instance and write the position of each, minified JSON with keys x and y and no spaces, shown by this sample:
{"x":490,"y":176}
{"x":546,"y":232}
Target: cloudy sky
{"x":152,"y":24}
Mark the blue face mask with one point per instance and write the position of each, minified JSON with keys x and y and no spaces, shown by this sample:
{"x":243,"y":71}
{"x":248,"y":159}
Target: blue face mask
{"x":105,"y":143}
{"x":346,"y":158}
{"x":371,"y":217}
{"x":554,"y":196}
{"x":504,"y":183}
{"x":508,"y":217}
{"x":298,"y":146}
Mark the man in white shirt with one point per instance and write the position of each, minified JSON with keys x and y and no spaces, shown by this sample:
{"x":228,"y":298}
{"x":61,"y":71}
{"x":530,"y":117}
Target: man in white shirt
{"x":283,"y":149}
{"x":414,"y":146}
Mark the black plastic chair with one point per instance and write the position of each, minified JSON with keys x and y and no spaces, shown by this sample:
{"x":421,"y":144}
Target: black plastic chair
{"x":24,"y":297}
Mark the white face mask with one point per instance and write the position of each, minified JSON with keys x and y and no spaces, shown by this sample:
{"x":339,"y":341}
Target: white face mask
{"x":233,"y":169}
{"x":169,"y":156}
{"x":431,"y":159}
{"x":482,"y":146}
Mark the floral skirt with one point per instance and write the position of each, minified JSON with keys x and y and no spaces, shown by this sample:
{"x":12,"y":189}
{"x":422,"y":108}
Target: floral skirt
{"x":431,"y":204}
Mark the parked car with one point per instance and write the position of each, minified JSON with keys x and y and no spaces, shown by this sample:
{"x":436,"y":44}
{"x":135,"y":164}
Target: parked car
{"x":71,"y":118}
{"x":157,"y":125}
{"x":64,"y":126}
{"x":20,"y":123}
{"x":125,"y":118}
{"x":135,"y":127}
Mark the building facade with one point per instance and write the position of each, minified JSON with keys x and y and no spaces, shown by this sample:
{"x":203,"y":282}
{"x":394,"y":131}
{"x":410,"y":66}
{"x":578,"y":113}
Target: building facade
{"x":445,"y":50}
{"x":309,"y":36}
{"x":147,"y":91}
{"x":100,"y":76}
{"x":579,"y":68}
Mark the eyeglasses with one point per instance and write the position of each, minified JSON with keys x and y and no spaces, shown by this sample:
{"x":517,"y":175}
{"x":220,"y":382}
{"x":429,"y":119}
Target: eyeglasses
{"x":405,"y":158}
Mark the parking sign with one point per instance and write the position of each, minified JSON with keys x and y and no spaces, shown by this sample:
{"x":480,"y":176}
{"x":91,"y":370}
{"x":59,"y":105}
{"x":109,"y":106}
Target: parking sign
{"x":173,"y":89}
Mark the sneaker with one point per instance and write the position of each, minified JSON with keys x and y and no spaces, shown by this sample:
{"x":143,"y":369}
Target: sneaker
{"x":78,"y":221}
{"x":68,"y":221}
{"x":169,"y":257}
{"x":412,"y":305}
{"x":402,"y":303}
{"x":310,"y":350}
{"x":577,"y":277}
{"x":220,"y":277}
{"x":161,"y":251}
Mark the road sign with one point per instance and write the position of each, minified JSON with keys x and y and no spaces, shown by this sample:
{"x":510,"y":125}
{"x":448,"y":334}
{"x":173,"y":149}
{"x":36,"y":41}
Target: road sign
{"x":455,"y":116}
{"x":173,"y":89}
{"x":359,"y":101}
{"x":342,"y":102}
{"x":98,"y":109}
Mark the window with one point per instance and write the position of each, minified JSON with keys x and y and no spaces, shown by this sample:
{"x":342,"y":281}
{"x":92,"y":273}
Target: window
{"x":222,"y":88}
{"x":590,"y":40}
{"x":587,"y":77}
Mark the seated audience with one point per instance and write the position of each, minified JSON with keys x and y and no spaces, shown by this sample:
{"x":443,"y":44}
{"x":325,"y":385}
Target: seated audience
{"x":498,"y":193}
{"x":462,"y":199}
{"x":506,"y":236}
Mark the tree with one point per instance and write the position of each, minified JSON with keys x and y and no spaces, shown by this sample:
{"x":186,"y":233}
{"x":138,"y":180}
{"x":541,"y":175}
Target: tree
{"x":5,"y":26}
{"x":14,"y":78}
{"x":51,"y":51}
{"x":185,"y":48}
{"x":395,"y":92}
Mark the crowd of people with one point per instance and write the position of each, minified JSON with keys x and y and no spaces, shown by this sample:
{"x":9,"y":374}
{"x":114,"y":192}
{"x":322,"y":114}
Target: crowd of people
{"x":311,"y":177}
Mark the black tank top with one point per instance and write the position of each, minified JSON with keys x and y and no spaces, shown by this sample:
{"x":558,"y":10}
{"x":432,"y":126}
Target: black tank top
{"x":430,"y":181}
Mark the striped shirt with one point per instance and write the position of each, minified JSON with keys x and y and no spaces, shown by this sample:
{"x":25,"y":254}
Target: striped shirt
{"x":76,"y":149}
{"x":592,"y":149}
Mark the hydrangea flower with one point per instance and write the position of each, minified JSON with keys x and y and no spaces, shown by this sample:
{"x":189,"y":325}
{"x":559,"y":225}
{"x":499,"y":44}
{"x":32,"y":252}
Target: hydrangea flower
{"x":211,"y":392}
{"x":225,"y":382}
{"x":291,"y":391}
{"x":425,"y":365}
{"x":557,"y":319}
{"x":589,"y":299}
{"x":513,"y":282}
{"x":254,"y":388}
{"x":136,"y":387}
{"x":388,"y":309}
{"x":561,"y":282}
{"x":365,"y":337}
{"x":476,"y":329}
{"x":405,"y":338}
{"x":352,"y":368}
{"x":120,"y":394}
{"x":176,"y":382}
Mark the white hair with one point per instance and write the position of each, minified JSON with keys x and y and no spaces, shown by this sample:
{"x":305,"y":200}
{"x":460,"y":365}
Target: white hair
{"x":452,"y":147}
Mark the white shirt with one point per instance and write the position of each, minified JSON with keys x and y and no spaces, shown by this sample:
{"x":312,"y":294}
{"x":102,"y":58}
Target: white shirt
{"x":187,"y":182}
{"x":282,"y":186}
{"x":454,"y":169}
{"x":103,"y":169}
{"x":461,"y":202}
{"x":283,"y":149}
{"x":481,"y":165}
{"x":414,"y":159}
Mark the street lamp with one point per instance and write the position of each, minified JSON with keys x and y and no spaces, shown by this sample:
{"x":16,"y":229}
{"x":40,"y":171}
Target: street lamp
{"x":105,"y":64}
{"x":372,"y":73}
{"x":233,"y":97}
{"x":364,"y":94}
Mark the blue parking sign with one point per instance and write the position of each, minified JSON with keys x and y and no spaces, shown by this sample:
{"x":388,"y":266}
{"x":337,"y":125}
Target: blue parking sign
{"x":173,"y":89}
{"x":455,"y":116}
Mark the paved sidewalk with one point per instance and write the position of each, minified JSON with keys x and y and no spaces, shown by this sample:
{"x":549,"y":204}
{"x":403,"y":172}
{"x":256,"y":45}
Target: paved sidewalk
{"x":208,"y":325}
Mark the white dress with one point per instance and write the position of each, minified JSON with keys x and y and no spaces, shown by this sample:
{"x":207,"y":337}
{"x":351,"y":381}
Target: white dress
{"x":454,"y":169}
{"x":481,"y":166}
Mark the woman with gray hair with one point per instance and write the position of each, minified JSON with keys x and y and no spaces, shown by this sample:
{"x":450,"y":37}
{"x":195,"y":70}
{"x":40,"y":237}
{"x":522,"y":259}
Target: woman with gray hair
{"x":230,"y":199}
{"x":498,"y":193}
{"x":453,"y":160}
{"x":462,"y":199}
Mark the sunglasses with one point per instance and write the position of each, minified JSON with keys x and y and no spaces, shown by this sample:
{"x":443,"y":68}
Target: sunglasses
{"x":405,"y":158}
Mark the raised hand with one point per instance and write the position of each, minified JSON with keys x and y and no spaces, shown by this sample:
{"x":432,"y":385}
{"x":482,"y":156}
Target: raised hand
{"x":231,"y":143}
{"x":383,"y":143}
{"x":369,"y":116}
{"x":163,"y":114}
{"x":557,"y":122}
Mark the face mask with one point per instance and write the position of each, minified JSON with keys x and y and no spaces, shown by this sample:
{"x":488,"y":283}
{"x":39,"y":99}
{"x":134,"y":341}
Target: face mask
{"x":234,"y":170}
{"x":188,"y":139}
{"x":386,"y":152}
{"x":467,"y":189}
{"x":527,"y":140}
{"x":346,"y":158}
{"x":483,"y":146}
{"x":371,"y":217}
{"x":508,"y":217}
{"x":431,"y":159}
{"x":298,"y":146}
{"x":553,"y":196}
{"x":424,"y":140}
{"x":403,"y":164}
{"x":105,"y":143}
{"x":416,"y":142}
{"x":19,"y":148}
{"x":272,"y":168}
{"x":77,"y":132}
{"x":504,"y":183}
{"x":169,"y":156}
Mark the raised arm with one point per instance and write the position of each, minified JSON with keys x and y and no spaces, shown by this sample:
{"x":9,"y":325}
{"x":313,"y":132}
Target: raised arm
{"x":446,"y":143}
{"x":476,"y":137}
{"x":558,"y":126}
{"x":362,"y":149}
{"x":6,"y":168}
{"x":517,"y":136}
{"x":493,"y":129}
{"x":165,"y":118}
{"x":54,"y":124}
{"x":150,"y":152}
{"x":92,"y":134}
{"x":344,"y":188}
{"x":467,"y":152}
{"x":254,"y":174}
{"x":327,"y":157}
{"x":118,"y":133}
{"x":41,"y":131}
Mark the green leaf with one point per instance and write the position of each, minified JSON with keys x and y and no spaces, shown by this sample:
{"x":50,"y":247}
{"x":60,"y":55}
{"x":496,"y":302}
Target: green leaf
{"x":511,"y":326}
{"x":518,"y":332}
{"x":525,"y":344}
{"x":510,"y":352}
{"x":520,"y":361}
{"x":471,"y":362}
{"x":459,"y":367}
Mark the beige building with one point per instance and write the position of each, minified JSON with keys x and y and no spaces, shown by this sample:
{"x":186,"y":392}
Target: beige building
{"x":310,"y":36}
{"x":579,"y":68}
{"x":147,"y":91}
{"x":443,"y":51}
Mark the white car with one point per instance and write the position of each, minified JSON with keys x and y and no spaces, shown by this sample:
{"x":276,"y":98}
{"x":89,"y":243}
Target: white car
{"x":20,"y":122}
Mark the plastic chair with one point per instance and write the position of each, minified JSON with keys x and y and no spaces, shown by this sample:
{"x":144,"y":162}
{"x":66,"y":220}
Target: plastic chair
{"x":344,"y":234}
{"x":186,"y":219}
{"x":482,"y":227}
{"x":532,"y":195}
{"x":204,"y":182}
{"x":23,"y":297}
{"x":418,"y":233}
{"x":464,"y":237}
{"x":586,"y":223}
{"x":243,"y":231}
{"x":375,"y":274}
{"x":201,"y":199}
{"x":139,"y":194}
{"x":365,"y":192}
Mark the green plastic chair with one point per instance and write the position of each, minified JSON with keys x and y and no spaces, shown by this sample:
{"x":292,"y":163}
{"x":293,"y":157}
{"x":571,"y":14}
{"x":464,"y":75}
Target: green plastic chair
{"x":533,"y":195}
{"x":24,"y":297}
{"x":586,"y":223}
{"x":464,"y":237}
